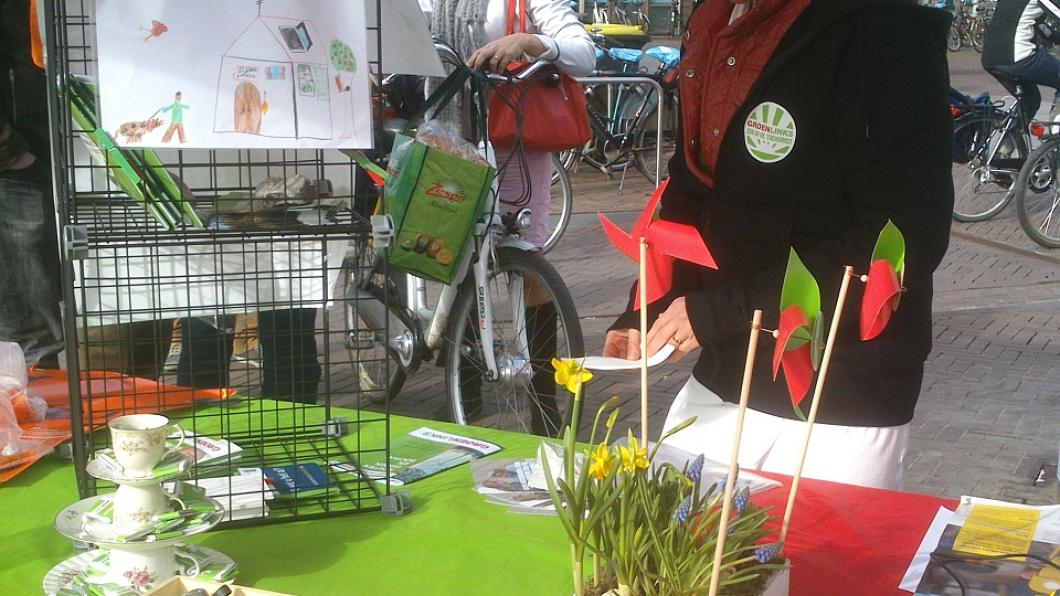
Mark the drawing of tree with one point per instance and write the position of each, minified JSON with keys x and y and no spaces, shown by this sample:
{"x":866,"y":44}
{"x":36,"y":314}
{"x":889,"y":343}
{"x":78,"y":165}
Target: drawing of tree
{"x":343,"y":60}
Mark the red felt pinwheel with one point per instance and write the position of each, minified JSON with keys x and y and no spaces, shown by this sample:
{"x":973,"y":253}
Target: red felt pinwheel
{"x":883,"y":288}
{"x":798,"y":345}
{"x":667,"y":240}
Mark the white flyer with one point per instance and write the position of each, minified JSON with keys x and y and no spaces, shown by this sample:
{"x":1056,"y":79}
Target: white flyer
{"x":609,"y":363}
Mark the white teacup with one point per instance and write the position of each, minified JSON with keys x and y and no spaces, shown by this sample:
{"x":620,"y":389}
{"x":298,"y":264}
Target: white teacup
{"x":144,"y":566}
{"x":136,"y":506}
{"x":139,"y":441}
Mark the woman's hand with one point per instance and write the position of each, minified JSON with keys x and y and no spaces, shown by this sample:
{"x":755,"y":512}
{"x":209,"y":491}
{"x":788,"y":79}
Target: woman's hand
{"x":622,"y":343}
{"x":496,"y":55}
{"x":673,"y":327}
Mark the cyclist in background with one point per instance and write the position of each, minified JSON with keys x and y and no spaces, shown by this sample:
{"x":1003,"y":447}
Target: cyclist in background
{"x":1013,"y":52}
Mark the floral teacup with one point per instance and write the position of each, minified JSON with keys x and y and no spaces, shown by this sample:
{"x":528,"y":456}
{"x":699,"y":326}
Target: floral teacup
{"x":140,"y":441}
{"x":143,"y":568}
{"x":138,"y":506}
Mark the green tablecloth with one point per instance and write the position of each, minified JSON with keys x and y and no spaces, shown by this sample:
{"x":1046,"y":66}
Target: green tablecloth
{"x":453,"y":542}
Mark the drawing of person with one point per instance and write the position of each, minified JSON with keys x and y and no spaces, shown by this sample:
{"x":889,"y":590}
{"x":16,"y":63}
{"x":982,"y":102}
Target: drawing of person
{"x":176,"y":119}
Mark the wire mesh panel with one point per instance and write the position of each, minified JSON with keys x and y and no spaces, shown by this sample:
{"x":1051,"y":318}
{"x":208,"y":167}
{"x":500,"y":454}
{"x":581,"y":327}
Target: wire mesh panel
{"x":208,"y":286}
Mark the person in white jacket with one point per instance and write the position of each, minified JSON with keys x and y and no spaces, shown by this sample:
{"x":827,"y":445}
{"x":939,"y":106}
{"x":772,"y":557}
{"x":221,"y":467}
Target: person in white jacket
{"x":478,"y":31}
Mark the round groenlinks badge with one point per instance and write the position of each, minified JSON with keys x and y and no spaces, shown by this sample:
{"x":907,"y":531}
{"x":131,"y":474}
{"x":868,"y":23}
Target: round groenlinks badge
{"x":769,"y":132}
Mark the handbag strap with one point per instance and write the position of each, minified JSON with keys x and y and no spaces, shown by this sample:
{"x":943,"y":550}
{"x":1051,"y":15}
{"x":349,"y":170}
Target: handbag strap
{"x":515,"y":6}
{"x":446,"y":91}
{"x":442,"y":95}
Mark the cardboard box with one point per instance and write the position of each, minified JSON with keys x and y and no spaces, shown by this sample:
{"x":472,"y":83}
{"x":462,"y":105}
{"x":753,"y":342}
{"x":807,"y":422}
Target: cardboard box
{"x":178,"y":586}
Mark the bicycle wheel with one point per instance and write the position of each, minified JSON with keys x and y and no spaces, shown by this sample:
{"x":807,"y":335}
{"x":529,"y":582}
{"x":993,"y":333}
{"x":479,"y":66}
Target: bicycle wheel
{"x":562,"y":199}
{"x":953,"y":41}
{"x":985,"y":167}
{"x":525,"y":397}
{"x":1038,"y":195}
{"x":644,"y":149}
{"x":367,"y":340}
{"x":978,"y":34}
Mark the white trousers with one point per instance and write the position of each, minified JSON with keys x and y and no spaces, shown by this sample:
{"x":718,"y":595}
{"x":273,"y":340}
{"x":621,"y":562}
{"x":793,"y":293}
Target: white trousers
{"x":861,"y":455}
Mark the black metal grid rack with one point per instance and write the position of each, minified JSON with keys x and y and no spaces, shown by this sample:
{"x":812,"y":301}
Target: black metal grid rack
{"x":225,"y":327}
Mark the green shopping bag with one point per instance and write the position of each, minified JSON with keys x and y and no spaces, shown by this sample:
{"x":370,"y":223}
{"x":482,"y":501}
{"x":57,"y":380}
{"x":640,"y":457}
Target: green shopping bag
{"x":434,"y":198}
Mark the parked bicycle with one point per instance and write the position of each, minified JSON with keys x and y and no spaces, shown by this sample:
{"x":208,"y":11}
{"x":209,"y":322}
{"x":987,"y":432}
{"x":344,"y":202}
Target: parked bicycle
{"x":969,"y":25}
{"x":991,"y":142}
{"x":675,"y":18}
{"x":494,"y":330}
{"x":623,"y":117}
{"x":630,"y":12}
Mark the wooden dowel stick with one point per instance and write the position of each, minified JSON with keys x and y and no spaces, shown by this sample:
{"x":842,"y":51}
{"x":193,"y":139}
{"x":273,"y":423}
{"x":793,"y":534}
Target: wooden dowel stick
{"x":817,"y":390}
{"x":730,"y":482}
{"x":642,"y":287}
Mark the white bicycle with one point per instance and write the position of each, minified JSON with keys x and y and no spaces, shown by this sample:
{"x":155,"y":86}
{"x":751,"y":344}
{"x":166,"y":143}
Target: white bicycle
{"x":495,"y":330}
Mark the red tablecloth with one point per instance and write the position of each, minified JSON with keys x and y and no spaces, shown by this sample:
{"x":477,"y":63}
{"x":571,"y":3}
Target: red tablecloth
{"x":849,"y":540}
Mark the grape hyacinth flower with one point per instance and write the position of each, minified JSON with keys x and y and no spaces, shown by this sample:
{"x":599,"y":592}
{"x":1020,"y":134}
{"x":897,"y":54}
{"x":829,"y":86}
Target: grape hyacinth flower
{"x":740,"y":500}
{"x":695,"y":469}
{"x":768,"y":552}
{"x":681,"y":514}
{"x":719,"y":486}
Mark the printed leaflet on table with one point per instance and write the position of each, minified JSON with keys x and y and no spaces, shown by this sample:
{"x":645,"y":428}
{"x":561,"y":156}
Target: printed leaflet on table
{"x":421,"y":453}
{"x":990,"y":547}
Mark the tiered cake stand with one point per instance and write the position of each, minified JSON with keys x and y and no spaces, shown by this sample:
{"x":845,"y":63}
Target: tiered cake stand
{"x":139,"y":531}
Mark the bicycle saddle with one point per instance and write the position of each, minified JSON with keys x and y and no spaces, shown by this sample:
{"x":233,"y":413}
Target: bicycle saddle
{"x":665,"y":54}
{"x":629,"y":55}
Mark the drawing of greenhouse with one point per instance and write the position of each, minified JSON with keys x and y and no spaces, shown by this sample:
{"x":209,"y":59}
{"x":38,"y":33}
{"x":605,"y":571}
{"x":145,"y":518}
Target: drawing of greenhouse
{"x":274,"y":81}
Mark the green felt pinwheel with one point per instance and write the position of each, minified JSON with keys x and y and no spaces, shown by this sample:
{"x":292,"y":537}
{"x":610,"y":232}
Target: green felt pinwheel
{"x":799,"y":333}
{"x":883,"y":288}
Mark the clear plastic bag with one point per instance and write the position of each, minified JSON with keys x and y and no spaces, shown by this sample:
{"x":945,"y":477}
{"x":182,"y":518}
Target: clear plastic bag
{"x":436,"y":136}
{"x":18,"y":407}
{"x":12,"y":365}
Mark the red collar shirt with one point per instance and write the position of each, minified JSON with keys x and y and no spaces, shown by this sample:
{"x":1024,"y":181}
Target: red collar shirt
{"x":719,"y":64}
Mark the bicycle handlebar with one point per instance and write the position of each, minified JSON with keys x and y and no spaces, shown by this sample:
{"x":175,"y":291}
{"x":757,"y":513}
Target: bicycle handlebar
{"x":447,"y":52}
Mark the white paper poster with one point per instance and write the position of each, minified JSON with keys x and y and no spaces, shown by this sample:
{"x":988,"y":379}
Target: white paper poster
{"x":234,"y":73}
{"x":407,"y":45}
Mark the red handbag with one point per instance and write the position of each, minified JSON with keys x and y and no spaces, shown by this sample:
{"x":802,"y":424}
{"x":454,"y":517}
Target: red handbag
{"x":547,"y":112}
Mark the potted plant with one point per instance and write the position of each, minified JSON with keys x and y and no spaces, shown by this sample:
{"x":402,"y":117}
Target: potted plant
{"x":648,"y":529}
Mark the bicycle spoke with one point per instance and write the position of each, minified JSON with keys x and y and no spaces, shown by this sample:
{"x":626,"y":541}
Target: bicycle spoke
{"x":1038,"y":196}
{"x":530,"y":328}
{"x":1044,"y":228}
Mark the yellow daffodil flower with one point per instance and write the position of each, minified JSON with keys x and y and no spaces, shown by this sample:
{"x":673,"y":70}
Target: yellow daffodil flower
{"x":570,"y":374}
{"x":601,"y":462}
{"x":633,"y":457}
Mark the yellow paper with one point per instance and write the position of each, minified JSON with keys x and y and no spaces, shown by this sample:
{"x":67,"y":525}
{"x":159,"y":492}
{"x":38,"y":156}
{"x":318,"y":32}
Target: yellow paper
{"x":992,"y":530}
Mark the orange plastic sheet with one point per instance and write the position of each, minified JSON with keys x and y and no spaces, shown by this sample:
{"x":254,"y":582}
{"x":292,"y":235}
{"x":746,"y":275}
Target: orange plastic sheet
{"x":105,"y":395}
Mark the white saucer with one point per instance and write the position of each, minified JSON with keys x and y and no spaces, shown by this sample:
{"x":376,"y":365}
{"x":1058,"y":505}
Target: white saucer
{"x":97,"y":468}
{"x":84,"y":566}
{"x":71,"y":522}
